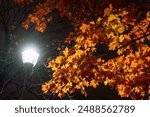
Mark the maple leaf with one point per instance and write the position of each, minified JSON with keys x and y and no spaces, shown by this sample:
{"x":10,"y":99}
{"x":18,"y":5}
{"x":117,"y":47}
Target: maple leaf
{"x":120,"y":29}
{"x":84,"y":27}
{"x":134,"y":64}
{"x":66,"y":51}
{"x":112,"y":46}
{"x":108,"y":10}
{"x":112,"y":17}
{"x":59,"y":59}
{"x":148,"y":16}
{"x":93,"y":83}
{"x":98,"y":20}
{"x":121,"y":38}
{"x":121,"y":90}
{"x":51,"y":64}
{"x":119,"y":52}
{"x":92,"y":22}
{"x":85,"y":82}
{"x":25,"y":25}
{"x":95,"y":38}
{"x":45,"y":87}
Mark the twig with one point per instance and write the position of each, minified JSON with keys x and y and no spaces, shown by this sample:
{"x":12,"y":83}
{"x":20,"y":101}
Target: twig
{"x":5,"y":83}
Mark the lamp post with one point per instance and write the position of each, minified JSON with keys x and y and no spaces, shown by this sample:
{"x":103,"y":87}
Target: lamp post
{"x":29,"y":58}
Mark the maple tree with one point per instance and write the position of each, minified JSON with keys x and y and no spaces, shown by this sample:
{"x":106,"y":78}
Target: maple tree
{"x":122,"y":28}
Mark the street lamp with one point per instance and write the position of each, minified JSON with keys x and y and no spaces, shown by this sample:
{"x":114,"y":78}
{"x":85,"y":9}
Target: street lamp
{"x":29,"y":58}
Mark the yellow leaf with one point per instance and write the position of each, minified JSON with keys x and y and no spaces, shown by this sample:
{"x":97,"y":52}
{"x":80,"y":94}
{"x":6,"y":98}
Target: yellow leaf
{"x":69,"y":59}
{"x":124,"y":13}
{"x":92,"y":22}
{"x":111,"y":17}
{"x":110,"y":35}
{"x":119,"y":52}
{"x":84,"y":27}
{"x":66,"y":65}
{"x":79,"y":52}
{"x":76,"y":79}
{"x":79,"y":39}
{"x":75,"y":66}
{"x":45,"y":87}
{"x":121,"y":38}
{"x":66,"y":51}
{"x":105,"y":82}
{"x":98,"y":20}
{"x":59,"y":59}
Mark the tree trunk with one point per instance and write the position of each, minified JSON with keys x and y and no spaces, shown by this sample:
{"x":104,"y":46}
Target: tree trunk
{"x":6,"y":39}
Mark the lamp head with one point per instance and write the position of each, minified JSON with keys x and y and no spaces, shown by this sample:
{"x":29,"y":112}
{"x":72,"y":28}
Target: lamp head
{"x":30,"y":55}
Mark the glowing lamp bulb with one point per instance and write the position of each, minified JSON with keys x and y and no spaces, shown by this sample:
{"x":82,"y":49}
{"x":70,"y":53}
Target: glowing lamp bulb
{"x":30,"y":56}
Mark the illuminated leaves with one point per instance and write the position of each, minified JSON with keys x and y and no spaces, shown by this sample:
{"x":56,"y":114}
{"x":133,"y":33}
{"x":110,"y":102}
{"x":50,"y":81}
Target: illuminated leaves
{"x":84,"y":27}
{"x":122,"y":90}
{"x":129,"y":73}
{"x":121,"y":38}
{"x":58,"y":60}
{"x":77,"y":67}
{"x":45,"y":87}
{"x":125,"y":73}
{"x":134,"y":64}
{"x":80,"y":67}
{"x":93,"y":83}
{"x":113,"y":45}
{"x":66,"y":51}
{"x":108,"y":10}
{"x":148,"y":16}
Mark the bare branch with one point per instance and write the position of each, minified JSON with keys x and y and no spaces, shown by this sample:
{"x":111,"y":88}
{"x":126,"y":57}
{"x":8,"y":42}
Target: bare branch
{"x":5,"y":83}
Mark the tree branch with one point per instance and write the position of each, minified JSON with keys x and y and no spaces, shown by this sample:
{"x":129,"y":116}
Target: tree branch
{"x":111,"y":52}
{"x":134,"y":40}
{"x":89,"y":5}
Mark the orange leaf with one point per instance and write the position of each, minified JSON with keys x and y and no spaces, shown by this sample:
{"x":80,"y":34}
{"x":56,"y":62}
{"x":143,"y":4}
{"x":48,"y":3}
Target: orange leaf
{"x":134,"y":64}
{"x":59,"y":59}
{"x":84,"y":27}
{"x":93,"y":83}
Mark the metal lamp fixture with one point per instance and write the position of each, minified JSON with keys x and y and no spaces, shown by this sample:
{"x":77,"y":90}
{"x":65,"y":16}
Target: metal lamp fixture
{"x":30,"y":56}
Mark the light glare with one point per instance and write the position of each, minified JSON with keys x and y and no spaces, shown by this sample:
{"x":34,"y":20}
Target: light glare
{"x":30,"y":56}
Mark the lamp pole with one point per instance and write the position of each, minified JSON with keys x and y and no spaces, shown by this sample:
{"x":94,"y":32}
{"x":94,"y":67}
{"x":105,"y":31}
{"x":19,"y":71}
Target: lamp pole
{"x":29,"y":58}
{"x":28,"y":69}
